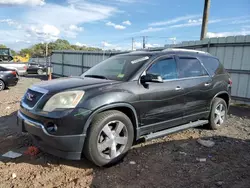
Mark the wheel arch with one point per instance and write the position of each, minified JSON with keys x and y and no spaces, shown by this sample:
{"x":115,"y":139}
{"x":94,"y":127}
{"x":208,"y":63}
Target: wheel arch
{"x":125,"y":108}
{"x":223,"y":95}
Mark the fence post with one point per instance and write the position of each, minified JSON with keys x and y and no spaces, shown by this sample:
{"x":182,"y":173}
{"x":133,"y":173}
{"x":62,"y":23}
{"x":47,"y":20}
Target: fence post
{"x":62,"y":63}
{"x":208,"y":45}
{"x":82,"y":62}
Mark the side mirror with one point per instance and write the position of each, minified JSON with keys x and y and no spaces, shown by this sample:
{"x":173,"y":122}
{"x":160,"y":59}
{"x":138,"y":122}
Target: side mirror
{"x":151,"y":78}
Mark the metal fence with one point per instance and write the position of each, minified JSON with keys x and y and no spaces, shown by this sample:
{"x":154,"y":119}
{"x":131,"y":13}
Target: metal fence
{"x":74,"y":63}
{"x":233,"y":52}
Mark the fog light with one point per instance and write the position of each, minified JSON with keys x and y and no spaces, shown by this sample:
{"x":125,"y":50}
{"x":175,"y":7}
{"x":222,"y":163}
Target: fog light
{"x":51,"y":127}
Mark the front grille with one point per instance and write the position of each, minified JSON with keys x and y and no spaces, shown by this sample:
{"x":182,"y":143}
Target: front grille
{"x":31,"y":98}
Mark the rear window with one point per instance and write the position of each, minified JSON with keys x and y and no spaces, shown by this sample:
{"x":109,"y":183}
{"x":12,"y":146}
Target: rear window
{"x":190,"y":67}
{"x":213,"y":65}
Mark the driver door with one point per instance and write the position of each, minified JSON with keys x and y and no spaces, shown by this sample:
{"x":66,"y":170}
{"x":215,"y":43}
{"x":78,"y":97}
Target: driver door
{"x":162,"y":103}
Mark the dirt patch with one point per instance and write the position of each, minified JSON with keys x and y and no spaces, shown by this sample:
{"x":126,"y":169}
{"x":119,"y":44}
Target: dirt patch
{"x":172,"y":161}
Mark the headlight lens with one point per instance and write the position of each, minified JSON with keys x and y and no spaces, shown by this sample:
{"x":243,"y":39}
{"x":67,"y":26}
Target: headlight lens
{"x":63,"y":100}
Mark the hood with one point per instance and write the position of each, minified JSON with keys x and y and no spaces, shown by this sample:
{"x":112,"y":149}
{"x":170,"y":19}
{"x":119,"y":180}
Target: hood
{"x":62,"y":84}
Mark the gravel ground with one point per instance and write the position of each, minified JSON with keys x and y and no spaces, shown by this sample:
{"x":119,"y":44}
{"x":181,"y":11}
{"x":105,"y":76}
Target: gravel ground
{"x":177,"y":160}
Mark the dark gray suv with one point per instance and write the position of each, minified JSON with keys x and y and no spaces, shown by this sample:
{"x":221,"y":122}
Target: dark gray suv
{"x":138,"y":95}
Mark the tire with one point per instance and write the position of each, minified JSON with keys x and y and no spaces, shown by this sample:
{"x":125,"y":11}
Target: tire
{"x":105,"y":129}
{"x":219,"y":109}
{"x":40,"y":72}
{"x":2,"y":85}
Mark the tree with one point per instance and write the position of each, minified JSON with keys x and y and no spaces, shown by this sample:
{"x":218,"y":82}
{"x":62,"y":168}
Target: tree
{"x":25,"y":51}
{"x":3,"y":46}
{"x":13,"y":53}
{"x":60,"y":44}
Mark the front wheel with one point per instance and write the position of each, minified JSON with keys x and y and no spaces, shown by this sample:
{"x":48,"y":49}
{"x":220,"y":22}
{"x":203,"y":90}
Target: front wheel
{"x":110,"y":136}
{"x":218,"y":114}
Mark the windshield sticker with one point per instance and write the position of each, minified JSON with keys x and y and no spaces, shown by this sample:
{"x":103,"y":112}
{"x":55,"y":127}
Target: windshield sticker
{"x":140,"y":60}
{"x":120,"y":75}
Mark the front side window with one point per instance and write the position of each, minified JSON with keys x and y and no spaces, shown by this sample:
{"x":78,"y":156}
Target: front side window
{"x":120,"y":68}
{"x":166,"y":68}
{"x":190,"y":67}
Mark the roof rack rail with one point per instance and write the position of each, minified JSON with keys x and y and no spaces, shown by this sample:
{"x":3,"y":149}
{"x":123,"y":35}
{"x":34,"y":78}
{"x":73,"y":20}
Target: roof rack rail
{"x":150,"y":49}
{"x":184,"y":50}
{"x":138,"y":51}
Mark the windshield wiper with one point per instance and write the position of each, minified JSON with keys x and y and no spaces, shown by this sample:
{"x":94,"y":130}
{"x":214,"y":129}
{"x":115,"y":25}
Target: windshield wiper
{"x":96,"y":76}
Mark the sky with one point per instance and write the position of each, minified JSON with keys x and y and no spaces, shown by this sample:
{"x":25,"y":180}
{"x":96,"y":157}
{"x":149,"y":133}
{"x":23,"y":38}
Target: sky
{"x":111,"y":24}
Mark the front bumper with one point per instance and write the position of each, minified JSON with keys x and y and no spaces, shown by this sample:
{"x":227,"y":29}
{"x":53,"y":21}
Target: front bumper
{"x":68,"y":146}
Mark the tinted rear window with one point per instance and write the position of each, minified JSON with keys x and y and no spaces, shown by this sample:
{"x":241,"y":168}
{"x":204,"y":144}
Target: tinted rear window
{"x":213,"y":65}
{"x":190,"y":67}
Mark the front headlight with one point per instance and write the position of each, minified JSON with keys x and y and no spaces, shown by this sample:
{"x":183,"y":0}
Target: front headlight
{"x":63,"y":100}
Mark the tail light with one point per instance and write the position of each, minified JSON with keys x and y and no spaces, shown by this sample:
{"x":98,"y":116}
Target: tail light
{"x":230,"y":82}
{"x":25,"y":67}
{"x":13,"y":72}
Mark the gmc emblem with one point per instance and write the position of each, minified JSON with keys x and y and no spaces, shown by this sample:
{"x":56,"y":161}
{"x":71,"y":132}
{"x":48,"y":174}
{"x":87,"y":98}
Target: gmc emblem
{"x":29,"y":96}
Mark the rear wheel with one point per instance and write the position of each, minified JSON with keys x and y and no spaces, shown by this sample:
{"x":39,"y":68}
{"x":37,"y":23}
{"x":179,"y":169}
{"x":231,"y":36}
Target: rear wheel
{"x":110,"y":136}
{"x":2,"y":85}
{"x":218,"y":114}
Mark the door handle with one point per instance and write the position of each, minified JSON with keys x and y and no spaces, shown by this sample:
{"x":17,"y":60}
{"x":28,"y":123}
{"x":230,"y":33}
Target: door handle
{"x":207,"y":84}
{"x":178,"y":88}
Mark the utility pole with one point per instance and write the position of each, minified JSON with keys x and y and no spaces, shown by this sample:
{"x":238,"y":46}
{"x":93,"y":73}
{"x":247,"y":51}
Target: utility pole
{"x":205,"y":19}
{"x":144,"y":42}
{"x":46,"y":50}
{"x":49,"y":71}
{"x":103,"y":49}
{"x":132,"y":44}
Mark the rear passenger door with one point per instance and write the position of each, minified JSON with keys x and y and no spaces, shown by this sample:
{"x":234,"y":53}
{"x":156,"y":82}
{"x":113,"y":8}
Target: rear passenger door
{"x":197,"y":84}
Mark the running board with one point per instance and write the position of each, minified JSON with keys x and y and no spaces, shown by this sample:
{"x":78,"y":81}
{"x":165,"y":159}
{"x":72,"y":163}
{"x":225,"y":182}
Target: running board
{"x":175,"y":129}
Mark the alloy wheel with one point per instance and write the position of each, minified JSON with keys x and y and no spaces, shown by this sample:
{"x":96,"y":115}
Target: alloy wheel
{"x":40,"y":72}
{"x":1,"y":85}
{"x":219,"y":114}
{"x":112,"y":140}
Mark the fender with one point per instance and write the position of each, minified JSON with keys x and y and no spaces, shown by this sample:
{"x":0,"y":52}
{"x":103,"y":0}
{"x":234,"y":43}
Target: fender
{"x":110,"y":106}
{"x":221,"y":92}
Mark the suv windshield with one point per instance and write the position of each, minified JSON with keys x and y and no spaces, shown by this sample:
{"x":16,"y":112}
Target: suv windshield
{"x":119,"y":68}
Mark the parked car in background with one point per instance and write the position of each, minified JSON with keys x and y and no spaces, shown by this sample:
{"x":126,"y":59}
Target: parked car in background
{"x":126,"y":98}
{"x":36,"y":68}
{"x":20,"y":68}
{"x":8,"y":77}
{"x":6,"y":60}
